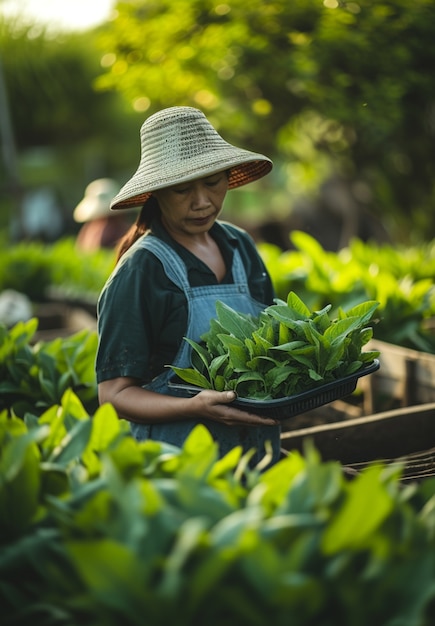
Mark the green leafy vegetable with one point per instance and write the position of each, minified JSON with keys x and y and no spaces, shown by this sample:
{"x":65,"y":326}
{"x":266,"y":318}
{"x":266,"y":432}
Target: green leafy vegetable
{"x":286,"y":350}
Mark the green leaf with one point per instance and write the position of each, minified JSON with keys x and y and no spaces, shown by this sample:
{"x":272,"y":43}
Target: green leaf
{"x":334,"y":358}
{"x":105,"y":427}
{"x":188,"y":538}
{"x":291,"y":346}
{"x":20,"y":482}
{"x":264,"y":363}
{"x":315,"y":376}
{"x":201,"y":450}
{"x":365,"y":509}
{"x":23,"y":332}
{"x":369,"y":356}
{"x":219,"y":383}
{"x":229,"y":530}
{"x":278,"y":375}
{"x":216,"y":364}
{"x":260,"y":343}
{"x":237,"y":324}
{"x":363,"y":311}
{"x":365,"y":336}
{"x":353,"y":367}
{"x":341,"y":328}
{"x":73,"y":444}
{"x":305,"y":356}
{"x":295,"y":303}
{"x":48,"y":388}
{"x":237,"y":352}
{"x":200,"y":350}
{"x":108,"y":568}
{"x":14,"y":453}
{"x":285,"y":315}
{"x":191,"y":376}
{"x":321,"y":322}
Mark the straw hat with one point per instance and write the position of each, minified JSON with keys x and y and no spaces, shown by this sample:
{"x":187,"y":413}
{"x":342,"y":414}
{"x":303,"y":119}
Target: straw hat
{"x":96,"y":201}
{"x":179,"y":144}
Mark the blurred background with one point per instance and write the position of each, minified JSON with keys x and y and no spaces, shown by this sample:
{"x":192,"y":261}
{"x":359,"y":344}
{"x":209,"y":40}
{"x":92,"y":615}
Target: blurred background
{"x":339,"y":94}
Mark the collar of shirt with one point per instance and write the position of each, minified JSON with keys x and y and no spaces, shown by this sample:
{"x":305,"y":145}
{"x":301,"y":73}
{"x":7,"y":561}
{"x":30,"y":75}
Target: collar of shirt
{"x":217,"y":232}
{"x":226,"y":241}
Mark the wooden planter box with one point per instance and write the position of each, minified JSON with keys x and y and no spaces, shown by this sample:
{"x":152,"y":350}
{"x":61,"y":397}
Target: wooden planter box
{"x":383,"y":436}
{"x":406,"y":377}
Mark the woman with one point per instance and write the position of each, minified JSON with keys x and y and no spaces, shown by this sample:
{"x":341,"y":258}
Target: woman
{"x":174,"y":264}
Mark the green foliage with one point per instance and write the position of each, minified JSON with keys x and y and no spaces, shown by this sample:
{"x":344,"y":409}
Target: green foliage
{"x":40,"y":270}
{"x":400,"y":278}
{"x":346,"y":83}
{"x":113,"y":531}
{"x":33,"y":377}
{"x":48,"y":70}
{"x":288,"y":349}
{"x":65,"y":132}
{"x":321,"y":87}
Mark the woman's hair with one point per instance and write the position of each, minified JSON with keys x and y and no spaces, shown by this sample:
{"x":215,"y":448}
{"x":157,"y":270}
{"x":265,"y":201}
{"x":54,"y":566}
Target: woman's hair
{"x":147,"y":213}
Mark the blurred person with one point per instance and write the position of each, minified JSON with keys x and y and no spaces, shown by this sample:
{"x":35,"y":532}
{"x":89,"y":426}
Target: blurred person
{"x":102,"y":228}
{"x":40,"y":218}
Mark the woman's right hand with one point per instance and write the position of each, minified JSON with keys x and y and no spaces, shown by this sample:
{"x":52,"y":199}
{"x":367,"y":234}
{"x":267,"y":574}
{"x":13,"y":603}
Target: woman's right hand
{"x":217,"y":406}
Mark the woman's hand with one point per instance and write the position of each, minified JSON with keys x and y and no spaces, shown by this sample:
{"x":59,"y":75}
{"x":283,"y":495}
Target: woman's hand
{"x":216,"y":405}
{"x":134,"y":403}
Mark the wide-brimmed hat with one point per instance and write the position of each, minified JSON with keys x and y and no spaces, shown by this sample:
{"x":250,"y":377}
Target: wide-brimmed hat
{"x":96,"y":201}
{"x":179,"y":144}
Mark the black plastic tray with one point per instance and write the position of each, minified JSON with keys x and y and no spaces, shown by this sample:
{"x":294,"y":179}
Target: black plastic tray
{"x":283,"y":408}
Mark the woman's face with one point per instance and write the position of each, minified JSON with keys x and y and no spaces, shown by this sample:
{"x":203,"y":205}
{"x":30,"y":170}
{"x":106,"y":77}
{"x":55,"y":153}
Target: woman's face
{"x":191,"y":208}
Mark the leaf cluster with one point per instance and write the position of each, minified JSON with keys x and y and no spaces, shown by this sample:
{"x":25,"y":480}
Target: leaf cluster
{"x":341,"y":86}
{"x":39,"y":270}
{"x":97,"y":528}
{"x":400,"y":278}
{"x":288,"y":349}
{"x":34,"y":376}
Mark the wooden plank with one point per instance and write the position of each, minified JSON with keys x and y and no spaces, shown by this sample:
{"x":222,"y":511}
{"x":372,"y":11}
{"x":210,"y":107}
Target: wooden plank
{"x":406,"y":376}
{"x":390,"y":434}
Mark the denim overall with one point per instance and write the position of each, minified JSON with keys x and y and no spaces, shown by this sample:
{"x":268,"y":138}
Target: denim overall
{"x":201,"y":309}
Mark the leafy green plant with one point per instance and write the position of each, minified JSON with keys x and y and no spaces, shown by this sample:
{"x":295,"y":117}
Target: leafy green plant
{"x":42,"y":271}
{"x":99,"y":529}
{"x":286,"y":350}
{"x":33,"y":377}
{"x":401,"y":279}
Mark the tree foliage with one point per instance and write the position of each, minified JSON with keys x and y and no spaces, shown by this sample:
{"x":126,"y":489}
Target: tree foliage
{"x":301,"y":81}
{"x":322,"y":87}
{"x":52,"y":81}
{"x":55,"y":109}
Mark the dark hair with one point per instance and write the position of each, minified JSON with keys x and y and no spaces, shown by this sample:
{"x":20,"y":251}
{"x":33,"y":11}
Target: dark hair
{"x":148,"y":212}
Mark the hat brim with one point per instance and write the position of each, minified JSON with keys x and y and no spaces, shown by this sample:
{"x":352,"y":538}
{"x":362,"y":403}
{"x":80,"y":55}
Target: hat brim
{"x":90,"y":209}
{"x":244,"y":167}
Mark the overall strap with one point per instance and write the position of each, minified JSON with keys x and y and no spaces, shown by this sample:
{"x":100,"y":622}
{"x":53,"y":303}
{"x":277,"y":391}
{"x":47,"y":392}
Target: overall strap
{"x":238,"y":269}
{"x":173,"y":265}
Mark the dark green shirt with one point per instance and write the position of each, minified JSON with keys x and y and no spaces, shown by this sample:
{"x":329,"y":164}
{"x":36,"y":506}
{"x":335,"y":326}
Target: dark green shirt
{"x":142,"y":315}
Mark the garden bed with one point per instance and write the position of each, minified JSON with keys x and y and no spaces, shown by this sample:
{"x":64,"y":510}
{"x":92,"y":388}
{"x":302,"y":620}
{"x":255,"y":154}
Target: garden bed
{"x":61,"y":319}
{"x":386,"y":436}
{"x":406,"y":377}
